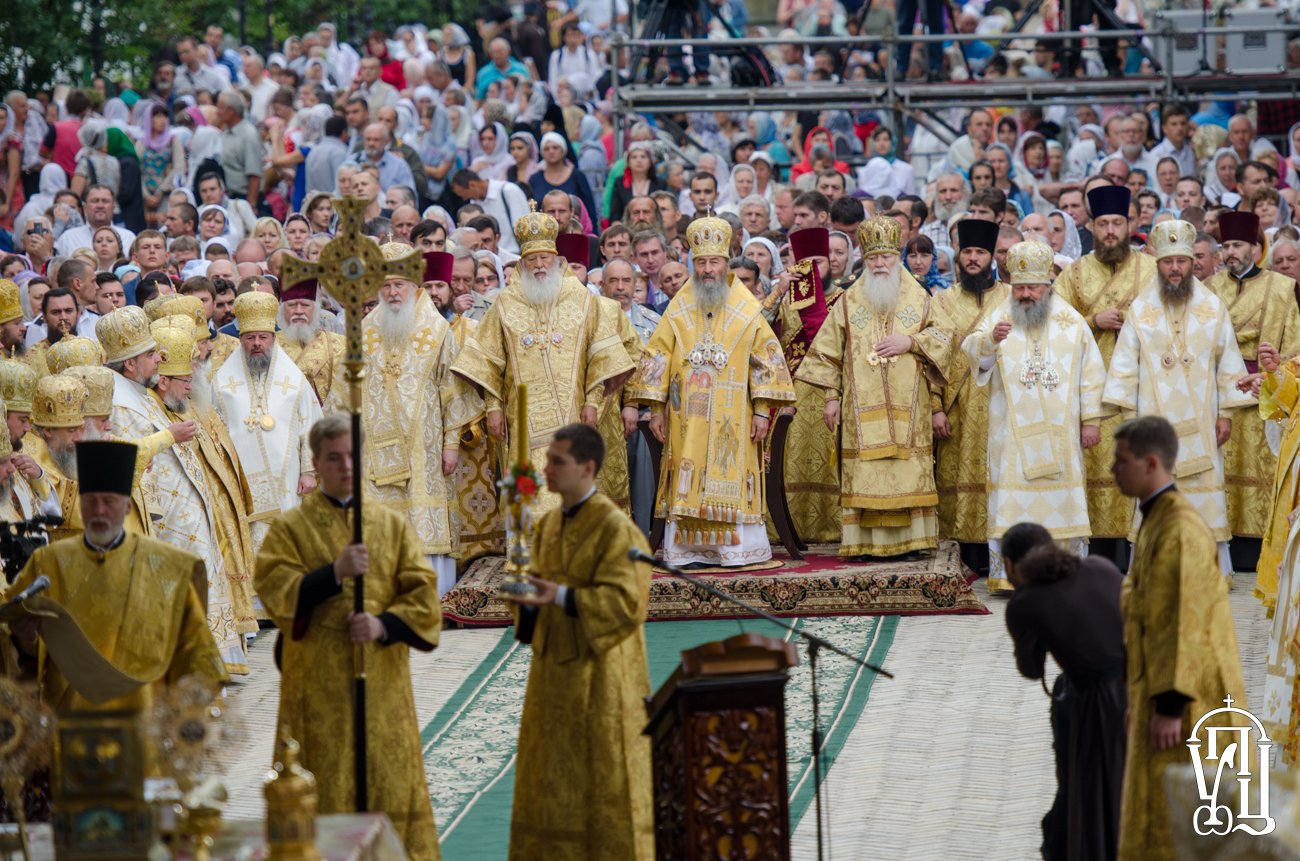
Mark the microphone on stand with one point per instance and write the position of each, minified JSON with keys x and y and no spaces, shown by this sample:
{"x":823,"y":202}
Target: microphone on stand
{"x":39,"y":585}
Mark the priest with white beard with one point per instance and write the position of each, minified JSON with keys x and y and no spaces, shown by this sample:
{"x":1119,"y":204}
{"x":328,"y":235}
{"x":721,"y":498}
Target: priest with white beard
{"x":1177,"y":357}
{"x":1046,"y":375}
{"x":413,"y":412}
{"x":269,"y":407}
{"x":316,"y":351}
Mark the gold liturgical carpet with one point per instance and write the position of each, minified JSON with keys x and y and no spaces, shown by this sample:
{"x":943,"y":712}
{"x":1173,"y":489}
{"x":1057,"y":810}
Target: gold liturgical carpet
{"x":820,"y":584}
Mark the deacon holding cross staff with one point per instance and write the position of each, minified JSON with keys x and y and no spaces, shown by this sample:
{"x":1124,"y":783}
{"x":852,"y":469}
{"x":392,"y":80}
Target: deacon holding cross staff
{"x":314,"y":555}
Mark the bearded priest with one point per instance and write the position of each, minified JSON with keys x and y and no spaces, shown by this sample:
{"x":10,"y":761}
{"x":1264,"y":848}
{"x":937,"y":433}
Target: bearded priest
{"x":881,"y":351}
{"x":712,"y":375}
{"x":544,"y":332}
{"x":317,"y":352}
{"x":413,"y":409}
{"x":269,"y":407}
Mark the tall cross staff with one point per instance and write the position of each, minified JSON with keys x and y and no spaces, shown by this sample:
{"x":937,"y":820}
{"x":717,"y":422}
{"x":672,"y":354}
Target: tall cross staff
{"x":352,"y":269}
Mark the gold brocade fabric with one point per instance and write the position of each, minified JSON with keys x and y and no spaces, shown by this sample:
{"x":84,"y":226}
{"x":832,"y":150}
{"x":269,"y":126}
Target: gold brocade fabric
{"x":65,"y":489}
{"x":1178,"y":636}
{"x":563,"y":354}
{"x":1091,"y":287}
{"x":481,"y":530}
{"x":812,"y":469}
{"x":34,"y":358}
{"x":709,"y":378}
{"x":316,"y":667}
{"x":223,"y":347}
{"x":886,"y":439}
{"x":1263,"y":310}
{"x":612,"y":480}
{"x":1278,"y":398}
{"x":138,"y":607}
{"x":962,"y":460}
{"x":583,"y":785}
{"x":319,"y":359}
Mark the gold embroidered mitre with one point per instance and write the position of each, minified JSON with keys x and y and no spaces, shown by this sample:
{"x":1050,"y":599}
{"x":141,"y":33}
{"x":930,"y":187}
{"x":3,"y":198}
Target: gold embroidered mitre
{"x":175,"y":337}
{"x":59,"y":402}
{"x":153,"y":308}
{"x":71,"y":352}
{"x":709,"y":237}
{"x":10,"y":307}
{"x":880,"y":235}
{"x":17,"y":385}
{"x":1030,"y":262}
{"x":1172,"y":239}
{"x":256,"y":312}
{"x":187,"y":306}
{"x":98,"y":381}
{"x":124,"y":334}
{"x":536,"y":232}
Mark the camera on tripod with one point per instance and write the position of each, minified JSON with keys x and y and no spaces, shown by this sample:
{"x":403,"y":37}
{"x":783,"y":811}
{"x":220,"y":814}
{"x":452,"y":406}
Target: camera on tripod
{"x":18,"y":541}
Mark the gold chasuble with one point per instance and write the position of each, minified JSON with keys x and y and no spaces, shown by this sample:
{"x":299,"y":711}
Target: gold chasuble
{"x":139,"y":605}
{"x":1091,"y":287}
{"x":1263,"y":310}
{"x":583,"y":789}
{"x":563,"y":354}
{"x":887,"y":486}
{"x":612,"y":480}
{"x":481,"y":530}
{"x":963,"y":465}
{"x":320,"y":359}
{"x":1279,"y":401}
{"x":709,"y":378}
{"x":311,"y":610}
{"x":1179,"y":637}
{"x":137,"y":522}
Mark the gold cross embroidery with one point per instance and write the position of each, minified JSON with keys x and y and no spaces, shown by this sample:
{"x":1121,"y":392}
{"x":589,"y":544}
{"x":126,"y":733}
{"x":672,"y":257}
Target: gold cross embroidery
{"x":1149,"y":316}
{"x":231,"y":386}
{"x":1204,"y":313}
{"x":286,"y":386}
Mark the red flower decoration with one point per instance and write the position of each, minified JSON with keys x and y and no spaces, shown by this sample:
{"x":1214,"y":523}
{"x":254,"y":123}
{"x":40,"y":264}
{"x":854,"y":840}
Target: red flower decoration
{"x":525,"y":486}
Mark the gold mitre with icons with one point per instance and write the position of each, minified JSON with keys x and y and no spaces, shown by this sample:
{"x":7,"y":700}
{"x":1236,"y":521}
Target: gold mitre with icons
{"x":536,"y":232}
{"x":73,"y":351}
{"x":59,"y":402}
{"x":1030,"y":262}
{"x":256,"y":312}
{"x":175,"y":337}
{"x":124,"y":334}
{"x":1172,"y":239}
{"x":98,"y":381}
{"x":709,"y":236}
{"x":11,"y":308}
{"x":17,"y":385}
{"x":186,"y":306}
{"x":880,"y":235}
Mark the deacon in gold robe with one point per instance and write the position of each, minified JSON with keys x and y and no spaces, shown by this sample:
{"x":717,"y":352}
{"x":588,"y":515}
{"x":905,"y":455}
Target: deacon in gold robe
{"x":960,"y":409}
{"x":413,"y":410}
{"x":544,"y":332}
{"x":228,"y":623}
{"x":1046,"y":375}
{"x":880,"y":353}
{"x":134,"y":597}
{"x":1178,"y":633}
{"x":712,"y":374}
{"x":1177,"y":358}
{"x":1100,"y":286}
{"x":306,"y":570}
{"x":583,"y":779}
{"x":811,"y":460}
{"x":316,"y":351}
{"x":1262,"y":305}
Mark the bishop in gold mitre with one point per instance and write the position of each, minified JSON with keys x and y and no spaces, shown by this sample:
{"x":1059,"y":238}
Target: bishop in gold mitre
{"x":712,"y":374}
{"x":877,"y":355}
{"x":543,"y":331}
{"x":13,"y":330}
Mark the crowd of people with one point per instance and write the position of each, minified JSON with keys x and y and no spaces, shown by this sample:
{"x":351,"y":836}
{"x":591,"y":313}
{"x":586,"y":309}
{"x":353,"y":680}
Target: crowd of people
{"x":960,"y":332}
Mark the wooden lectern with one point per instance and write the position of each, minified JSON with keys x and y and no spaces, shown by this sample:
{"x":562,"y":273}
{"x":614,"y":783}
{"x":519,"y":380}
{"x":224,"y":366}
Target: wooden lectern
{"x":717,"y":730}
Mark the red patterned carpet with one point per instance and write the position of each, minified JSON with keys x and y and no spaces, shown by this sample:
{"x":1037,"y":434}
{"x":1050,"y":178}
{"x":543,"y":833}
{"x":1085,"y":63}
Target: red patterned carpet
{"x":821,"y":584}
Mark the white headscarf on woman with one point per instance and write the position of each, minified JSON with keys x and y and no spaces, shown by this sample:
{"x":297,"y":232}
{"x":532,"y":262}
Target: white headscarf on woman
{"x":117,"y":114}
{"x":733,"y":195}
{"x":777,"y":266}
{"x":1073,"y":247}
{"x":464,"y":131}
{"x":1292,"y":170}
{"x":876,"y":177}
{"x":1214,"y":189}
{"x":1084,"y":151}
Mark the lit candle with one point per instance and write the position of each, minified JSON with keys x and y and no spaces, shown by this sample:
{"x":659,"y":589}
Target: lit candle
{"x":521,"y":425}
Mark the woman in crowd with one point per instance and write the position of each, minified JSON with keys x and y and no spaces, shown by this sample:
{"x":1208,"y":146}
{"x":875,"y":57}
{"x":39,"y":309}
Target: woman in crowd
{"x":639,"y":179}
{"x":319,"y":209}
{"x":558,"y":173}
{"x":523,"y":150}
{"x":268,"y":232}
{"x":456,"y":53}
{"x":492,"y":155}
{"x":162,"y":160}
{"x":94,"y":165}
{"x":999,"y":158}
{"x":297,"y":230}
{"x":107,"y":247}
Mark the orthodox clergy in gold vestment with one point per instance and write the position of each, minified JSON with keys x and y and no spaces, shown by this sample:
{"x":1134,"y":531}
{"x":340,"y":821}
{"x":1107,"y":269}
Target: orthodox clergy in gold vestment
{"x":543,"y":331}
{"x":316,"y":351}
{"x":617,"y":421}
{"x":229,"y":618}
{"x":1042,"y":365}
{"x":306,"y":574}
{"x":1178,"y":633}
{"x":712,"y":375}
{"x":1100,"y":286}
{"x":960,"y":409}
{"x":811,"y":456}
{"x":1262,"y":305}
{"x":1177,"y":358}
{"x":413,"y":409}
{"x":583,"y":779}
{"x":22,"y":498}
{"x":133,"y":596}
{"x":877,"y":355}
